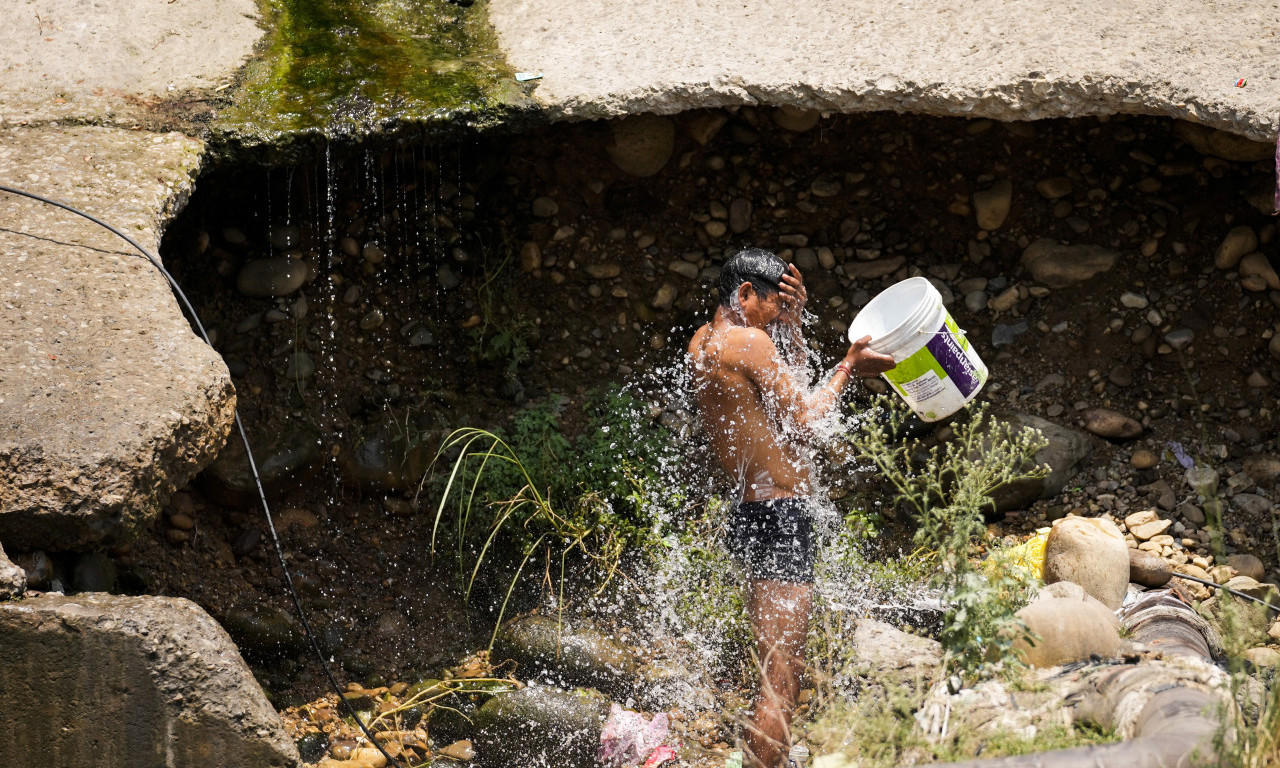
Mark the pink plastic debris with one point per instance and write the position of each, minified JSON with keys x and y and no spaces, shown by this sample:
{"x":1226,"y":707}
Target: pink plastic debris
{"x":663,"y":754}
{"x":628,"y":738}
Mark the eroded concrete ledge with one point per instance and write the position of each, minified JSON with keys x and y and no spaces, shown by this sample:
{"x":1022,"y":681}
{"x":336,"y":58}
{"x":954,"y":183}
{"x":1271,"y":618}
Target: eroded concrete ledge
{"x":1010,"y":60}
{"x":108,"y":401}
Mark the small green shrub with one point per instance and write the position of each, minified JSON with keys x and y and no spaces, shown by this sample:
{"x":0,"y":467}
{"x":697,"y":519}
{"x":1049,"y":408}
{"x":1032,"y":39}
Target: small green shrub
{"x":948,"y":487}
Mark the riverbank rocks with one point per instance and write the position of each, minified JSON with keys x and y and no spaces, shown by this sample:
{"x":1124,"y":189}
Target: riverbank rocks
{"x":1063,"y":455}
{"x":1238,"y":242}
{"x":1091,"y":552}
{"x":1148,"y":569}
{"x":1107,"y":423}
{"x":888,"y":655}
{"x":1246,"y":620}
{"x":567,"y":654}
{"x":1069,"y":625}
{"x":540,"y":726}
{"x":129,"y":681}
{"x":991,"y":205}
{"x":1058,"y":266}
{"x":13,"y":580}
{"x":642,"y":145}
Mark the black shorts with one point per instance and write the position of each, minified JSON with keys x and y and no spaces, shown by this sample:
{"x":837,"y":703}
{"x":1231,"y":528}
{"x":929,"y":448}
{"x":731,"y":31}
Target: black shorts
{"x":773,"y":539}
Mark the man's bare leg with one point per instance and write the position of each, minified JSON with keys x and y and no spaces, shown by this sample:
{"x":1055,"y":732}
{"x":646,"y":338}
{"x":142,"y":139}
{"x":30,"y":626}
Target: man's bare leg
{"x":779,"y":613}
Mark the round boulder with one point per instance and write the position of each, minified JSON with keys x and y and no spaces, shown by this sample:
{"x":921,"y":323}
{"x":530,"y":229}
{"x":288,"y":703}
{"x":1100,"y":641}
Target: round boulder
{"x":1090,"y":552}
{"x":268,"y":278}
{"x":1149,"y":570}
{"x":568,"y":655}
{"x":540,"y":726}
{"x":1068,"y":629}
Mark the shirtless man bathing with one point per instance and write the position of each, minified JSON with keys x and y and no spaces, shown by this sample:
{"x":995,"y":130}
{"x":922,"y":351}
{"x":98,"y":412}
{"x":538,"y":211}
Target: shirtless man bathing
{"x":758,"y":418}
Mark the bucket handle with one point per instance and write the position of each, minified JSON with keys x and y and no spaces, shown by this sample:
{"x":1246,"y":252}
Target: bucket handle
{"x":962,"y":332}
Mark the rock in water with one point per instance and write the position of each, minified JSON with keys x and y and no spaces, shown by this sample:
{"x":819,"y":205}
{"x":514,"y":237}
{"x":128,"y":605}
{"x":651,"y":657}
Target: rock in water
{"x":130,"y":681}
{"x":1111,"y":425}
{"x":1069,"y":629}
{"x":565,"y":654}
{"x":1058,"y":266}
{"x":991,"y":206}
{"x":1090,"y":552}
{"x":268,"y":278}
{"x":13,"y":580}
{"x":540,"y":726}
{"x":642,"y":144}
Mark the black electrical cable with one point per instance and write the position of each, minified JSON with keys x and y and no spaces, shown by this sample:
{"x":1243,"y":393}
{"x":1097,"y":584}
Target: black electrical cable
{"x":253,"y":466}
{"x":1225,"y":588}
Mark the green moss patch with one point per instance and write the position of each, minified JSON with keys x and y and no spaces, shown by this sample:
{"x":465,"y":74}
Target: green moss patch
{"x":353,"y":66}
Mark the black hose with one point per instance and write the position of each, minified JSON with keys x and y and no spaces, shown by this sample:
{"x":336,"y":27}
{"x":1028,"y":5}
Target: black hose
{"x":253,"y":466}
{"x":1225,"y":588}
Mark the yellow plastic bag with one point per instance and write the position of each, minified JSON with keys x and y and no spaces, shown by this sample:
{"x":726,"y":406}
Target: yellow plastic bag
{"x":1027,"y":558}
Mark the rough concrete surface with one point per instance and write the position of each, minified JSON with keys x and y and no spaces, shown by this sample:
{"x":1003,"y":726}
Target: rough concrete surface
{"x":107,"y":60}
{"x":107,"y":399}
{"x":143,"y":682}
{"x":1011,"y":60}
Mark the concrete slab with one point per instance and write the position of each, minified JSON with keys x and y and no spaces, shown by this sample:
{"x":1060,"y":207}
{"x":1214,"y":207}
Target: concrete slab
{"x":107,"y":399}
{"x":111,"y":60}
{"x":1010,"y":60}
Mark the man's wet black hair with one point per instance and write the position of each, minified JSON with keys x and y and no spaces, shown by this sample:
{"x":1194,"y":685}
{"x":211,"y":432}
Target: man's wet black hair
{"x":761,"y":268}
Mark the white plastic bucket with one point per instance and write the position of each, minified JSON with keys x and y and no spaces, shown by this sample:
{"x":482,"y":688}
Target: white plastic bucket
{"x":938,"y":369}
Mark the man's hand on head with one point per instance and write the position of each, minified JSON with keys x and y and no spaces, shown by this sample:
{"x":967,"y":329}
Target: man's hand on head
{"x":793,"y":293}
{"x":864,"y":361}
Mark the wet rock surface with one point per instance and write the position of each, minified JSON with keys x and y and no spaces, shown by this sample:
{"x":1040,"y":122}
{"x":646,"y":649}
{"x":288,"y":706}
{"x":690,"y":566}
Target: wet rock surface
{"x":566,"y":653}
{"x":538,"y":724}
{"x":178,"y":692}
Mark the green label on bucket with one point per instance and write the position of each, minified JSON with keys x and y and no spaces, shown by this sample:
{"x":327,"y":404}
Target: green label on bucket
{"x":920,"y":363}
{"x":939,"y":378}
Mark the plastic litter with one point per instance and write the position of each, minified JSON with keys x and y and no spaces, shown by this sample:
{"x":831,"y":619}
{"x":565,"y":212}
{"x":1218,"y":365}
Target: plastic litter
{"x":664,"y":754}
{"x":524,"y":77}
{"x":1026,"y":560}
{"x":627,"y":739}
{"x":734,"y":760}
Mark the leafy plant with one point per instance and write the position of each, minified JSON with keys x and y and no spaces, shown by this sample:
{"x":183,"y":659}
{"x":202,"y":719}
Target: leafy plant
{"x":948,"y":487}
{"x":534,"y":490}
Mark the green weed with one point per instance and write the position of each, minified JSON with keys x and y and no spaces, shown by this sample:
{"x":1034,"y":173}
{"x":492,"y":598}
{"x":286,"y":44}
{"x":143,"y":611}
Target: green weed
{"x":947,"y":488}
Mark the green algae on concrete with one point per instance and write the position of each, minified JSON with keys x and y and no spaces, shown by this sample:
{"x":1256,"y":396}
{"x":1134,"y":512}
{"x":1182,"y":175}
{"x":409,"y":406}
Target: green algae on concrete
{"x":350,"y":66}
